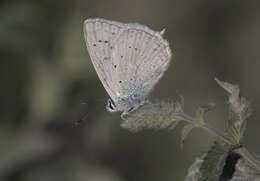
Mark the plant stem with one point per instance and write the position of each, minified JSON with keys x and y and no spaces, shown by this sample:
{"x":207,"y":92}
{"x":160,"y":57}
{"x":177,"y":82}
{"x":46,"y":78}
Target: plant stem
{"x":242,"y":151}
{"x":219,"y":134}
{"x":249,"y":157}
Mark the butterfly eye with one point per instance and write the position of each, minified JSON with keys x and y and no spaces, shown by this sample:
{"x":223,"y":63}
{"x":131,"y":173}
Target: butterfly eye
{"x":111,"y":107}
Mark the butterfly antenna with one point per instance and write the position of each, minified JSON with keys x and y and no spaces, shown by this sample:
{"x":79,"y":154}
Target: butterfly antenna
{"x":81,"y":120}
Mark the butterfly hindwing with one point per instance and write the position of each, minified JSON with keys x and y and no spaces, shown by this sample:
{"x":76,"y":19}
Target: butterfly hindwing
{"x":141,"y":56}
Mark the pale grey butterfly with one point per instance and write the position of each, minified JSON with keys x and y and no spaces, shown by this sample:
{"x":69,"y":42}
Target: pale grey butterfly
{"x":128,"y":58}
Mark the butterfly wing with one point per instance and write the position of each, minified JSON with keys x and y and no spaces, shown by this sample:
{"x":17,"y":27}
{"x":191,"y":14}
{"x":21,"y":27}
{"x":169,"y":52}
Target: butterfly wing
{"x":128,"y":58}
{"x":100,"y":36}
{"x":141,"y":57}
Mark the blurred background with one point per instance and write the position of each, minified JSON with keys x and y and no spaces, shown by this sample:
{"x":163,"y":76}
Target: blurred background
{"x":46,"y":73}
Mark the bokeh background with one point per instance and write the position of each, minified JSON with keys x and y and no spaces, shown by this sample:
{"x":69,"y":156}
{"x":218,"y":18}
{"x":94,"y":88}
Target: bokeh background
{"x":46,"y":73}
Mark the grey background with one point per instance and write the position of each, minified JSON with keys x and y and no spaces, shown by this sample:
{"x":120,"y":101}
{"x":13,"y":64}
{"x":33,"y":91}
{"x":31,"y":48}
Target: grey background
{"x":46,"y":73}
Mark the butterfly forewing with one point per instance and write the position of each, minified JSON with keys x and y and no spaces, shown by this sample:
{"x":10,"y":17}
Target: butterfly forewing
{"x":100,"y":36}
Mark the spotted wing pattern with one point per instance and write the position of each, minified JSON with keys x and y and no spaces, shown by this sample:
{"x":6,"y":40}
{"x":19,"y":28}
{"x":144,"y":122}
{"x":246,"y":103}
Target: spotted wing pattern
{"x":100,"y":36}
{"x":140,"y":56}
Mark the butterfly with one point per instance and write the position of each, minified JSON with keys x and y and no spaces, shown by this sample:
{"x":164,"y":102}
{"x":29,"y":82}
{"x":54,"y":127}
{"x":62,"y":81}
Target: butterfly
{"x":129,"y":59}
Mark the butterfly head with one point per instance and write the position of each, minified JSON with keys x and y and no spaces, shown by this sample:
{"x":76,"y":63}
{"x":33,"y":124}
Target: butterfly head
{"x":122,"y":105}
{"x":111,"y":107}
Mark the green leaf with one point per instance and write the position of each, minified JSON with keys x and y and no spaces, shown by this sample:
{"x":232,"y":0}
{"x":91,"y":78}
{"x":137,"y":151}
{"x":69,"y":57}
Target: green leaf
{"x":245,"y":171}
{"x":159,"y":115}
{"x":213,"y":163}
{"x":220,"y":164}
{"x":210,"y":165}
{"x":200,"y":113}
{"x":239,"y":112}
{"x":185,"y":132}
{"x":194,"y":170}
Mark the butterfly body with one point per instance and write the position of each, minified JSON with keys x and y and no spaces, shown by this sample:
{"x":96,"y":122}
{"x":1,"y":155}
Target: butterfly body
{"x":129,"y":98}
